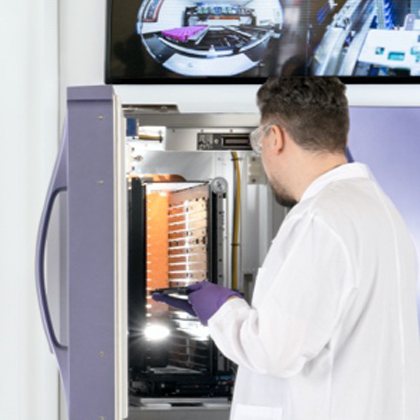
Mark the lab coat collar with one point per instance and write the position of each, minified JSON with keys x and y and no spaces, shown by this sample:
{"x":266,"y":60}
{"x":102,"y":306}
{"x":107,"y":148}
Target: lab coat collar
{"x":346,"y":171}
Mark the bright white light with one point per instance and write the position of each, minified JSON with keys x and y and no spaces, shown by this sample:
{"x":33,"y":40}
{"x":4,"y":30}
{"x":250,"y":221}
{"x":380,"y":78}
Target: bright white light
{"x":156,"y":332}
{"x":197,"y":331}
{"x":201,"y":333}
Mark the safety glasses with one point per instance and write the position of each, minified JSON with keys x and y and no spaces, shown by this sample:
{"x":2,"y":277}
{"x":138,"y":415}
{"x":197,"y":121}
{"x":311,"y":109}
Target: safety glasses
{"x":257,"y":136}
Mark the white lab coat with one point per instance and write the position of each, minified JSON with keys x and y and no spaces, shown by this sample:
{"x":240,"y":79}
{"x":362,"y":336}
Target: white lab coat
{"x":332,"y":332}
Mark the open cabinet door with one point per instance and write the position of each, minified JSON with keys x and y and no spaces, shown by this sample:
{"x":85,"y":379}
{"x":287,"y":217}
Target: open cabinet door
{"x":91,"y":168}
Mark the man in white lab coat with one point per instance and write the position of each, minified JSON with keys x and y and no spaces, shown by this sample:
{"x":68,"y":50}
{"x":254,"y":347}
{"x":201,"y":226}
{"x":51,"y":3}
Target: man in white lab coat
{"x":332,"y":332}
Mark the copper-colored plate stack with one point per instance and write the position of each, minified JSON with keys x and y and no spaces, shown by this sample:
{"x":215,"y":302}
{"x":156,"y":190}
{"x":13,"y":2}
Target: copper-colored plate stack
{"x":177,"y":237}
{"x":187,"y":232}
{"x":157,"y":248}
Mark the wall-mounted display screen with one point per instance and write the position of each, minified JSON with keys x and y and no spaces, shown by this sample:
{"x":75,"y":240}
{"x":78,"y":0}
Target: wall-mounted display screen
{"x":186,"y":40}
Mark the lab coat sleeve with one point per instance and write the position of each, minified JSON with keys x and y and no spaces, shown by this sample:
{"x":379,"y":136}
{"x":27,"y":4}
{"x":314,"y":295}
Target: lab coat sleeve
{"x":304,"y":299}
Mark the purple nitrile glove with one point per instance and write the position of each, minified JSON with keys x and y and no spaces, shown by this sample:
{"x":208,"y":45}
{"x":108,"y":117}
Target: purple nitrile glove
{"x":182,"y":304}
{"x":206,"y":299}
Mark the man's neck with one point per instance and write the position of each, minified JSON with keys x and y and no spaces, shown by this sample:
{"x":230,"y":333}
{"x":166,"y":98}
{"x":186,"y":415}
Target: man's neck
{"x":313,"y":166}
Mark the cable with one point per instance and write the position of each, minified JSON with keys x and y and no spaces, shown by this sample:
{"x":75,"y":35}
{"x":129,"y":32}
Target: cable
{"x":233,"y":239}
{"x":236,"y":220}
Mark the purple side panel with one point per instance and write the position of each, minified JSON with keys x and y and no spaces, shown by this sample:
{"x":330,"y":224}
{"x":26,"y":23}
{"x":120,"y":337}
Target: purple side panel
{"x":388,"y":141}
{"x":91,"y":253}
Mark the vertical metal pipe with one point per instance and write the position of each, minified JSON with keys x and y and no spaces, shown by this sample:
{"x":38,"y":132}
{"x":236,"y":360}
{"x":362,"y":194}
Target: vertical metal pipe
{"x":381,"y":14}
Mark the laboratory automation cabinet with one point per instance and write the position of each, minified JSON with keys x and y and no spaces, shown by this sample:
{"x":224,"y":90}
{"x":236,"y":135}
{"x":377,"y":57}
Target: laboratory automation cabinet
{"x":152,"y":198}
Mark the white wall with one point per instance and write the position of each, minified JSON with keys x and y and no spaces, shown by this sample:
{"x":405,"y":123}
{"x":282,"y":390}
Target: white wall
{"x":28,"y":139}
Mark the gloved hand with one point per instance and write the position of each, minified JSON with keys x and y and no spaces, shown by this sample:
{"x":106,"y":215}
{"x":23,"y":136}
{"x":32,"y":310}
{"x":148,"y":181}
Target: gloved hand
{"x":182,"y":304}
{"x":206,"y":299}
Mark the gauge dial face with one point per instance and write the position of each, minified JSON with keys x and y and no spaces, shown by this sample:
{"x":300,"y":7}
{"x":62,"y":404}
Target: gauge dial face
{"x":219,"y":185}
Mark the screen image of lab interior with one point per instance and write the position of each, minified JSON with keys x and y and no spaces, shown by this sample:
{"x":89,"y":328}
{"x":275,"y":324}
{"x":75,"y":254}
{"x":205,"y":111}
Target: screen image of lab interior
{"x":369,"y":38}
{"x":209,"y":39}
{"x":290,"y":37}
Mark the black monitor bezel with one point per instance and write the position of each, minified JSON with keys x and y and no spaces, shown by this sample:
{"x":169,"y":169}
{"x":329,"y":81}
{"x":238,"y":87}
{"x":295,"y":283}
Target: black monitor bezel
{"x":232,"y":80}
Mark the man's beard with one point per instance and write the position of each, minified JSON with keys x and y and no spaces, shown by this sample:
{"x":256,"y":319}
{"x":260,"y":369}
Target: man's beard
{"x":282,"y":196}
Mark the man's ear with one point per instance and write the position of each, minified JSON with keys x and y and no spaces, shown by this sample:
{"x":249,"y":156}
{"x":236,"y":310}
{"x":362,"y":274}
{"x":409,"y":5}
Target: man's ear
{"x":276,"y":139}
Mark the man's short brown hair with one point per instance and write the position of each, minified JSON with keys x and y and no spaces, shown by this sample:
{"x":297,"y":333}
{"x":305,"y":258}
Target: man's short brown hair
{"x":313,"y":110}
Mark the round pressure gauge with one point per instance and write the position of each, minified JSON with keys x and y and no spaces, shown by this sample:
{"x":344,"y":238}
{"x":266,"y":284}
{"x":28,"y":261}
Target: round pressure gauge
{"x":219,"y":185}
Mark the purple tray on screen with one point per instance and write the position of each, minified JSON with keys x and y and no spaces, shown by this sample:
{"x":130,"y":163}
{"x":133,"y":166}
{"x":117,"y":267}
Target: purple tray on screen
{"x":183,"y":34}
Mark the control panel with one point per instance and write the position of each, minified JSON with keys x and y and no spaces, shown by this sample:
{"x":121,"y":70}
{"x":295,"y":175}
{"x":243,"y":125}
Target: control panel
{"x":220,"y":141}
